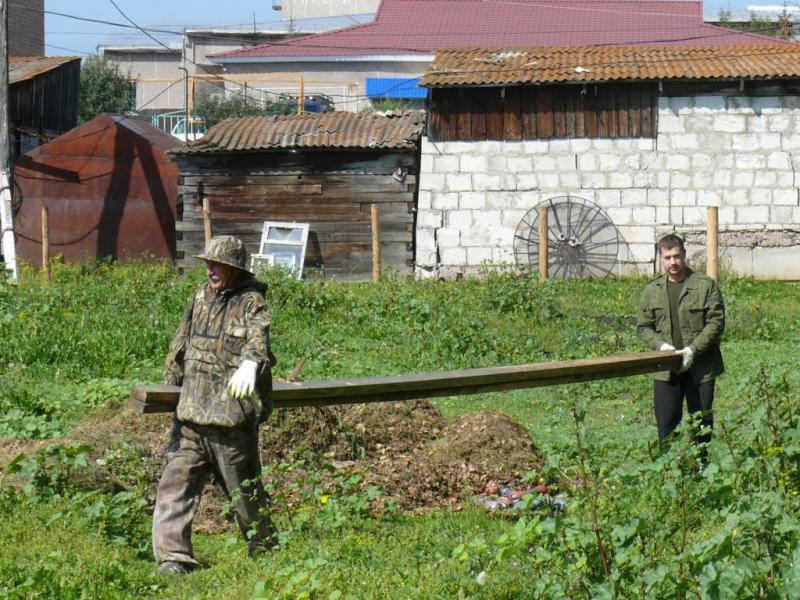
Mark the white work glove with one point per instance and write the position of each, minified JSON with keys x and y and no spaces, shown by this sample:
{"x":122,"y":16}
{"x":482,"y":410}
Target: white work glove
{"x":243,"y":381}
{"x":665,"y":348}
{"x":688,"y":358}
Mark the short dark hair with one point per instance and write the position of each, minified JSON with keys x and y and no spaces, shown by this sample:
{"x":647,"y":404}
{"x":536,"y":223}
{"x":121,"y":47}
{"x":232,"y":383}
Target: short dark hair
{"x":670,"y":241}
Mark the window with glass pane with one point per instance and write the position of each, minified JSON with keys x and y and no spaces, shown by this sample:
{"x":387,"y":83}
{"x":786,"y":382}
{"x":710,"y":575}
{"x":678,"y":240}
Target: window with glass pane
{"x":284,"y":245}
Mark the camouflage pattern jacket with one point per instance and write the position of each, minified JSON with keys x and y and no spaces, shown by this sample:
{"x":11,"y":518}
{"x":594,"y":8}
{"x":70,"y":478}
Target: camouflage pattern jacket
{"x":217,"y":333}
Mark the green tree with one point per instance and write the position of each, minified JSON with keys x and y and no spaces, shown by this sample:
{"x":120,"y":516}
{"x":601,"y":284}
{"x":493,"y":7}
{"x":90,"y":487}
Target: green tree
{"x":104,"y":88}
{"x":214,"y":109}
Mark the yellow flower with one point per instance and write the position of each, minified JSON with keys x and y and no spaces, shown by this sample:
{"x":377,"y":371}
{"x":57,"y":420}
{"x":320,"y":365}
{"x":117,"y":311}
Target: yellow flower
{"x":324,"y":499}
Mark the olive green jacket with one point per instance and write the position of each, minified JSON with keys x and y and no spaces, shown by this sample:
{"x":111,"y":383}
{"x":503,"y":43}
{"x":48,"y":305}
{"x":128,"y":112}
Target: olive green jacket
{"x":702,"y":315}
{"x":217,"y":333}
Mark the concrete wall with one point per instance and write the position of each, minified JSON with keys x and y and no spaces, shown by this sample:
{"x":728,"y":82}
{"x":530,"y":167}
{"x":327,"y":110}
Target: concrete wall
{"x":159,"y":81}
{"x":741,"y":154}
{"x":307,"y":9}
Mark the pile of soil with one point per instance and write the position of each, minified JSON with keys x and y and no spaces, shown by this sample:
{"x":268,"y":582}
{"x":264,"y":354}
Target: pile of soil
{"x":408,"y":449}
{"x":447,"y":470}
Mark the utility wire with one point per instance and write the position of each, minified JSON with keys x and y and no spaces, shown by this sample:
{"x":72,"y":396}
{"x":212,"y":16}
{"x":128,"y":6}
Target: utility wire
{"x":144,"y":30}
{"x":349,"y":98}
{"x":186,"y":58}
{"x":68,"y":49}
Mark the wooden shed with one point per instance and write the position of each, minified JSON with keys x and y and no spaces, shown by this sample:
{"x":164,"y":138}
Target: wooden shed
{"x":109,"y":188}
{"x":42,"y":98}
{"x":322,"y":169}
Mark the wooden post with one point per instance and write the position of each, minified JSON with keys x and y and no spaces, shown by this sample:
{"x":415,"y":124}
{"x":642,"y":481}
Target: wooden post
{"x":45,"y":243}
{"x":543,"y":257}
{"x":6,"y":178}
{"x":376,"y":243}
{"x":301,"y":100}
{"x":712,"y":244}
{"x":206,"y":214}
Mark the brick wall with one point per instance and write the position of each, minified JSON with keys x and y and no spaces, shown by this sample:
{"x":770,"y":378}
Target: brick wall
{"x":738,"y":153}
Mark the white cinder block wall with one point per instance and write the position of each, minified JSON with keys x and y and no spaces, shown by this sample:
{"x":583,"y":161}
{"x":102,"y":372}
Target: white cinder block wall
{"x":741,"y":154}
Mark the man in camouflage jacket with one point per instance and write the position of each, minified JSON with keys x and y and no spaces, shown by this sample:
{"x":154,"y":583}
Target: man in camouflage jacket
{"x":683,"y":311}
{"x":220,"y":356}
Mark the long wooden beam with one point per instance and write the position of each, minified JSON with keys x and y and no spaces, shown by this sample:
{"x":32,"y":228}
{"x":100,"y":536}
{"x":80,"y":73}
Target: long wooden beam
{"x":362,"y":390}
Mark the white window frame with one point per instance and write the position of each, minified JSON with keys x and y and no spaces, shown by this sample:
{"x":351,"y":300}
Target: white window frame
{"x":274,"y":258}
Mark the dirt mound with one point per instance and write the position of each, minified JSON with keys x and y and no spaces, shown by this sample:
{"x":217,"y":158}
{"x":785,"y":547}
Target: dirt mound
{"x":406,"y":448}
{"x":291,"y":432}
{"x":392,"y":427}
{"x":471,"y":451}
{"x":351,"y":431}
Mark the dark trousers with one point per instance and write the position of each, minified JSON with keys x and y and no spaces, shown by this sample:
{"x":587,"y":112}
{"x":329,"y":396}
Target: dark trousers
{"x":668,"y":401}
{"x":194,"y":453}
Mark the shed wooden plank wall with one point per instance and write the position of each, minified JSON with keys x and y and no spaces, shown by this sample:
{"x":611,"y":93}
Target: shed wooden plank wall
{"x":48,"y":103}
{"x":543,"y":112}
{"x":331,"y":191}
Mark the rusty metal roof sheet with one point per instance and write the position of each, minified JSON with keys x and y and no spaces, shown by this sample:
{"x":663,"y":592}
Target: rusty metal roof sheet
{"x":585,"y":64}
{"x":346,"y":130}
{"x":22,"y":68}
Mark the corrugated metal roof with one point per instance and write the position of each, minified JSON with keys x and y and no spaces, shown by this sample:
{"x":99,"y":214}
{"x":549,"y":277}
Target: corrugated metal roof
{"x":407,"y":27}
{"x":21,"y":68}
{"x":584,"y":64}
{"x":391,"y":130}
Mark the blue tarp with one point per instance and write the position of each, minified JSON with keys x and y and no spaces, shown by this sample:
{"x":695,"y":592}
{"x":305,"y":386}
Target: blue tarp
{"x":395,"y":87}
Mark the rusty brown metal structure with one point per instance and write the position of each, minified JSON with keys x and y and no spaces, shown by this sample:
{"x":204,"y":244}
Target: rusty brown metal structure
{"x":110,"y":188}
{"x":603,"y":64}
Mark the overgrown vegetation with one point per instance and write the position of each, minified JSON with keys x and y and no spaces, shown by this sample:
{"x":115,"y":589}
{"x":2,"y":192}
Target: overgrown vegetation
{"x":636,"y":523}
{"x":213,"y":108}
{"x":105,"y":87}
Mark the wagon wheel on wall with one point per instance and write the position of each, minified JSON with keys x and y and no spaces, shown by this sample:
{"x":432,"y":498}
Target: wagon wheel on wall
{"x":581,"y":239}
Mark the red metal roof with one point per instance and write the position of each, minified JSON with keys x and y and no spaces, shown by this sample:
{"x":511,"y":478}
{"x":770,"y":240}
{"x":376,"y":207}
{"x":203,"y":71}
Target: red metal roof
{"x":407,"y":27}
{"x":585,"y":64}
{"x":340,"y":130}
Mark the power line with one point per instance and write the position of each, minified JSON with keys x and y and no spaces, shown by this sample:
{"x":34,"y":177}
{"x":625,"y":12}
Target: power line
{"x":158,"y":95}
{"x":145,"y":30}
{"x":68,"y":49}
{"x":349,"y":98}
{"x":186,"y":58}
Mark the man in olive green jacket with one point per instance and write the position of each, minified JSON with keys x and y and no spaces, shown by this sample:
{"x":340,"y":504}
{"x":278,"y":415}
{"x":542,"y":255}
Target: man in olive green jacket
{"x":683,"y":311}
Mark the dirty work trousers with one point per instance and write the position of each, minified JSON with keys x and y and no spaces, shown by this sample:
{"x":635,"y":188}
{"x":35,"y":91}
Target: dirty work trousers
{"x":668,"y":400}
{"x":193,"y":454}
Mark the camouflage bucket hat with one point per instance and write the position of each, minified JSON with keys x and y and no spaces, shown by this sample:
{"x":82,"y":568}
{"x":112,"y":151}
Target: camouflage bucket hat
{"x":227,"y":250}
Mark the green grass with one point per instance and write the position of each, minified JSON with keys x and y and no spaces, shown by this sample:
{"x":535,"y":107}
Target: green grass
{"x":86,"y":337}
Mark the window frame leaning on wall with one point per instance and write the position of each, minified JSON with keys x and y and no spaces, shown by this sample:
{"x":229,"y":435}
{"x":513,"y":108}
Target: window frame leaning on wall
{"x":530,"y":112}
